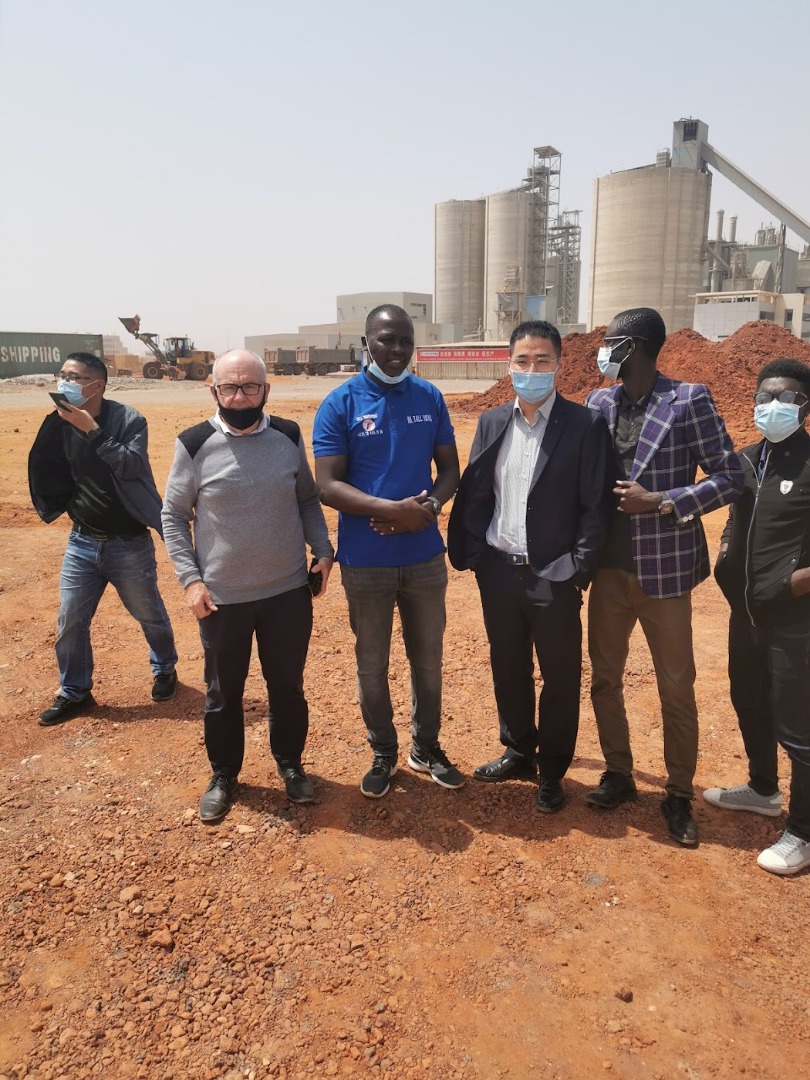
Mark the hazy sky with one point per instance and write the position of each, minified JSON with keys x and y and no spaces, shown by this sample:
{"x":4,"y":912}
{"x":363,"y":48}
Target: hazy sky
{"x":227,"y":168}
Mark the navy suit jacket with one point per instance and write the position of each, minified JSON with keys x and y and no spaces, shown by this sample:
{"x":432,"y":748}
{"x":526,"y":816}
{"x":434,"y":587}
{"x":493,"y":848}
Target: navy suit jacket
{"x":570,"y":499}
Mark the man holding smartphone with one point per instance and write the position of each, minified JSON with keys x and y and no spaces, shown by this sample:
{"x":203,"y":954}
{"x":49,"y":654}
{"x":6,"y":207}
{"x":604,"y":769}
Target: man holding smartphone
{"x":90,"y":459}
{"x":243,"y":478}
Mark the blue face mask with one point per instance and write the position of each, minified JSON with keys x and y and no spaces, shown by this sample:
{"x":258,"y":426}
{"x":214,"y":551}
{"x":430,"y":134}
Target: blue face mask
{"x":776,"y":420}
{"x":378,"y":373}
{"x":390,"y":380}
{"x":73,"y":392}
{"x":533,"y":386}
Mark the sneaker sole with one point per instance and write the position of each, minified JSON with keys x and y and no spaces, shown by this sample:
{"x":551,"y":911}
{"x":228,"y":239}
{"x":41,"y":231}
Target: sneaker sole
{"x":421,"y":767}
{"x":782,"y":871}
{"x":761,"y":810}
{"x":375,"y":794}
{"x":167,"y":698}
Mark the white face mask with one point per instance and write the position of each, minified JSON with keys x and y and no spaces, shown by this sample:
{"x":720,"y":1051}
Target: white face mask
{"x":610,"y":368}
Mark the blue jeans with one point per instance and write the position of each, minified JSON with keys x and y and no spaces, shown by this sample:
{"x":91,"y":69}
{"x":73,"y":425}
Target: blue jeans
{"x":88,"y":566}
{"x":418,"y":591}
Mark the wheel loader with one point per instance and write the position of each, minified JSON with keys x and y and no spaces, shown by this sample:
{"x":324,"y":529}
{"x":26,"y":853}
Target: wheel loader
{"x":178,"y":359}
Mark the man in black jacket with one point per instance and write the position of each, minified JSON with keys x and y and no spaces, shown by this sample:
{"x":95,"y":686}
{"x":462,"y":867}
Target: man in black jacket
{"x":90,"y":459}
{"x":529,"y":518}
{"x":764,"y":572}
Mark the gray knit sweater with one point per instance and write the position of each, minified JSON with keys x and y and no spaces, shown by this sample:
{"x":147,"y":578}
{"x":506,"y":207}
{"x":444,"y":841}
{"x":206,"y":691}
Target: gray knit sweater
{"x":252,"y":503}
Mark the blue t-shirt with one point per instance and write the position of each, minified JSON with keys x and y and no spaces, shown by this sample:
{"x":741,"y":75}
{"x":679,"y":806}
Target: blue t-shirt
{"x":388,"y":435}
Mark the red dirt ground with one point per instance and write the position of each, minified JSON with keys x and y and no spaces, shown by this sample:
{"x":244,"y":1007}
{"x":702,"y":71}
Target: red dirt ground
{"x":434,"y":934}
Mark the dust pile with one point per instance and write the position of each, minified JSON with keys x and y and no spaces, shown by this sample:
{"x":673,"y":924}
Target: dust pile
{"x":729,"y":368}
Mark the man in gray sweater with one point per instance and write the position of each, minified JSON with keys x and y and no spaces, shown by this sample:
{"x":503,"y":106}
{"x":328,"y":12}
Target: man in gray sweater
{"x":242,"y":477}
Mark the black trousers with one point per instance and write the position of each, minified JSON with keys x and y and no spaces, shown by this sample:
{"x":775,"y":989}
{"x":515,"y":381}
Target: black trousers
{"x":769,"y":672}
{"x":282,"y":626}
{"x":525,"y":614}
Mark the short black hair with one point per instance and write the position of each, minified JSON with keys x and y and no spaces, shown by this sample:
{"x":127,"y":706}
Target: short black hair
{"x":393,"y":310}
{"x":644,"y":323}
{"x":90,"y":360}
{"x":786,"y":369}
{"x":536,"y":328}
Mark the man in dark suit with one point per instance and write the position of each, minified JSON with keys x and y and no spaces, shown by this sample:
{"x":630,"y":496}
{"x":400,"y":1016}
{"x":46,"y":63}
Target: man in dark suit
{"x":529,"y":518}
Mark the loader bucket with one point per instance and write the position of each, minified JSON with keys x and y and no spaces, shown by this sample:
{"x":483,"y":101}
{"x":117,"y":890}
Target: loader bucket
{"x":133,"y":324}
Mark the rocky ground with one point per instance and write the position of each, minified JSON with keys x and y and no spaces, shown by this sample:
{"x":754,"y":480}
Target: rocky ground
{"x":433,"y":934}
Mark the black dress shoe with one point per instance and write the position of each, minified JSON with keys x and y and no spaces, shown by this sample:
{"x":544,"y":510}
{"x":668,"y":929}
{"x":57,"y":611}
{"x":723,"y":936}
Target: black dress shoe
{"x":677,"y":809}
{"x":217,"y":797}
{"x":550,"y":796}
{"x":614,"y":789}
{"x":297,"y":784}
{"x":64,"y":708}
{"x":506,"y":768}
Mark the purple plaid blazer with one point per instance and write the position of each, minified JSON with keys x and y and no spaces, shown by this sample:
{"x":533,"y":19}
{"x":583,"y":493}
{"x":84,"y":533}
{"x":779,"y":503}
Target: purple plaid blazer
{"x":681,"y":431}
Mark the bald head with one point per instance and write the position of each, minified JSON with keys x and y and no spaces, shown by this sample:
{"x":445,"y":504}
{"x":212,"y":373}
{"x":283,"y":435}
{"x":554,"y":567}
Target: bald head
{"x":238,"y":365}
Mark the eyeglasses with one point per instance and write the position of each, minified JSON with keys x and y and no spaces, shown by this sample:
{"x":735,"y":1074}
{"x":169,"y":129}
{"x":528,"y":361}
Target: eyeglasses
{"x":534,"y":365}
{"x":249,"y":389}
{"x":785,"y":397}
{"x":69,"y":376}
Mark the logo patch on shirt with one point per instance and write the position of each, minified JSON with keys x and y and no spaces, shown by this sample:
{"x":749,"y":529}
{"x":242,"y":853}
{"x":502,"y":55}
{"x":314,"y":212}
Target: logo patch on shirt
{"x":368,"y":424}
{"x":785,"y":486}
{"x":426,"y":418}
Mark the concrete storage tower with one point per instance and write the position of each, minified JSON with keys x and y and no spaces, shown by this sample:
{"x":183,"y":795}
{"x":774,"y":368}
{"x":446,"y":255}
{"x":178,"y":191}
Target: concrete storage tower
{"x":459,"y":267}
{"x":649,"y":232}
{"x":506,"y":259}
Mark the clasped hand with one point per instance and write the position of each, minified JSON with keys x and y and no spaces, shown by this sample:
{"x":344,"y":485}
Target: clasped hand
{"x":406,"y":515}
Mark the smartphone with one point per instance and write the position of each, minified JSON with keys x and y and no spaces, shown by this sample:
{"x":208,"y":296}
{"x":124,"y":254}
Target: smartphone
{"x":315,"y":579}
{"x":58,"y":398}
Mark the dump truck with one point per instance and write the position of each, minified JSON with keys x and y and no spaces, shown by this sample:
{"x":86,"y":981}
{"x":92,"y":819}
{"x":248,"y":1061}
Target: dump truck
{"x":309,"y":360}
{"x":177,"y":359}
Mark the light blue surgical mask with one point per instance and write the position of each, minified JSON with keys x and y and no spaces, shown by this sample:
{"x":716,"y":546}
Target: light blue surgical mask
{"x":776,"y":420}
{"x":533,"y":386}
{"x":375,"y":370}
{"x":610,"y":368}
{"x":73,"y":392}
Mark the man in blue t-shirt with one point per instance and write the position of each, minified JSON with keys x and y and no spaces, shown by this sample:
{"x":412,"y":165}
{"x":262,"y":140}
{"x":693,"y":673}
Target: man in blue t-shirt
{"x":375,"y":439}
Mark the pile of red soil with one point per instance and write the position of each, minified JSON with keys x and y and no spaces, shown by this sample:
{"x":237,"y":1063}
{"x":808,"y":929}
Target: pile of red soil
{"x":729,"y":368}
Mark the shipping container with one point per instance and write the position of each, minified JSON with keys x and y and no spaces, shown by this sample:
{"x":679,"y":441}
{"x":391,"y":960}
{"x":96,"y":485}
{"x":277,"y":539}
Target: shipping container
{"x":42,"y":354}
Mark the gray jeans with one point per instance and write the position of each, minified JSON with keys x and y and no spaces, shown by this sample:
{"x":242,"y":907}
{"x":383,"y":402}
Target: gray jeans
{"x":418,"y":591}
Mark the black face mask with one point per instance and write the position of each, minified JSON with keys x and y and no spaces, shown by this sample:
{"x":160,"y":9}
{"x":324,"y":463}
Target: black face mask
{"x":242,"y":418}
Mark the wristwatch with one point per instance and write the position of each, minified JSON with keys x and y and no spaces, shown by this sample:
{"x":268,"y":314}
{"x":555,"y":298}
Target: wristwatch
{"x":434,"y":505}
{"x":666,"y":506}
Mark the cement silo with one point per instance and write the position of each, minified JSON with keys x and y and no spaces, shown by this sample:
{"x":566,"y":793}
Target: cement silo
{"x":459,"y":264}
{"x":508,"y":237}
{"x":648,"y":245}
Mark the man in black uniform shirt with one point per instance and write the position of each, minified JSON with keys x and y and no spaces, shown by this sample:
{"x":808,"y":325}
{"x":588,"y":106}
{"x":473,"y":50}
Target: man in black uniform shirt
{"x":90,"y":459}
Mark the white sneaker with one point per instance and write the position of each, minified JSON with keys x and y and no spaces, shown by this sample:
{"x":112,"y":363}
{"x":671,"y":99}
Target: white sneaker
{"x":744,"y":798}
{"x":789,"y":855}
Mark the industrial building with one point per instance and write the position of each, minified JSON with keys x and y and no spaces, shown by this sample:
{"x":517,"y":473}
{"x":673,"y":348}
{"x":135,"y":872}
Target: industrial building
{"x":650,"y":243}
{"x":509,"y":256}
{"x":349,"y":325}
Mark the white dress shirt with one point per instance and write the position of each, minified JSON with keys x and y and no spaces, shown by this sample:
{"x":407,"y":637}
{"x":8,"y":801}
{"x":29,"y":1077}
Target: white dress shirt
{"x":514,"y":469}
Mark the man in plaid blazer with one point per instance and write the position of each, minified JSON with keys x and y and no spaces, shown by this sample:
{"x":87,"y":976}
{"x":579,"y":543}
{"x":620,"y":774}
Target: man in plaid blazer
{"x":656,"y":553}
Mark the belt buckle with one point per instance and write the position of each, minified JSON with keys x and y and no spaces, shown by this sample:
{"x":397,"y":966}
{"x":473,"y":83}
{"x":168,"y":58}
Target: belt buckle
{"x":517,"y":560}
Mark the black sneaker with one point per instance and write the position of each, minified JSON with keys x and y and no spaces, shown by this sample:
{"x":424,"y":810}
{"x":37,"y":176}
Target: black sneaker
{"x":376,"y":782}
{"x":217,"y":797}
{"x":164,"y":686}
{"x":297,"y":784}
{"x":433,"y":760}
{"x":614,"y":789}
{"x":550,"y":796}
{"x":677,"y":809}
{"x":65,"y":708}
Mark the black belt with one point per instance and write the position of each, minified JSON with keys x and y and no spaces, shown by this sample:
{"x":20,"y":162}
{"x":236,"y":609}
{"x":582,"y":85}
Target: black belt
{"x":511,"y":557}
{"x":84,"y":531}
